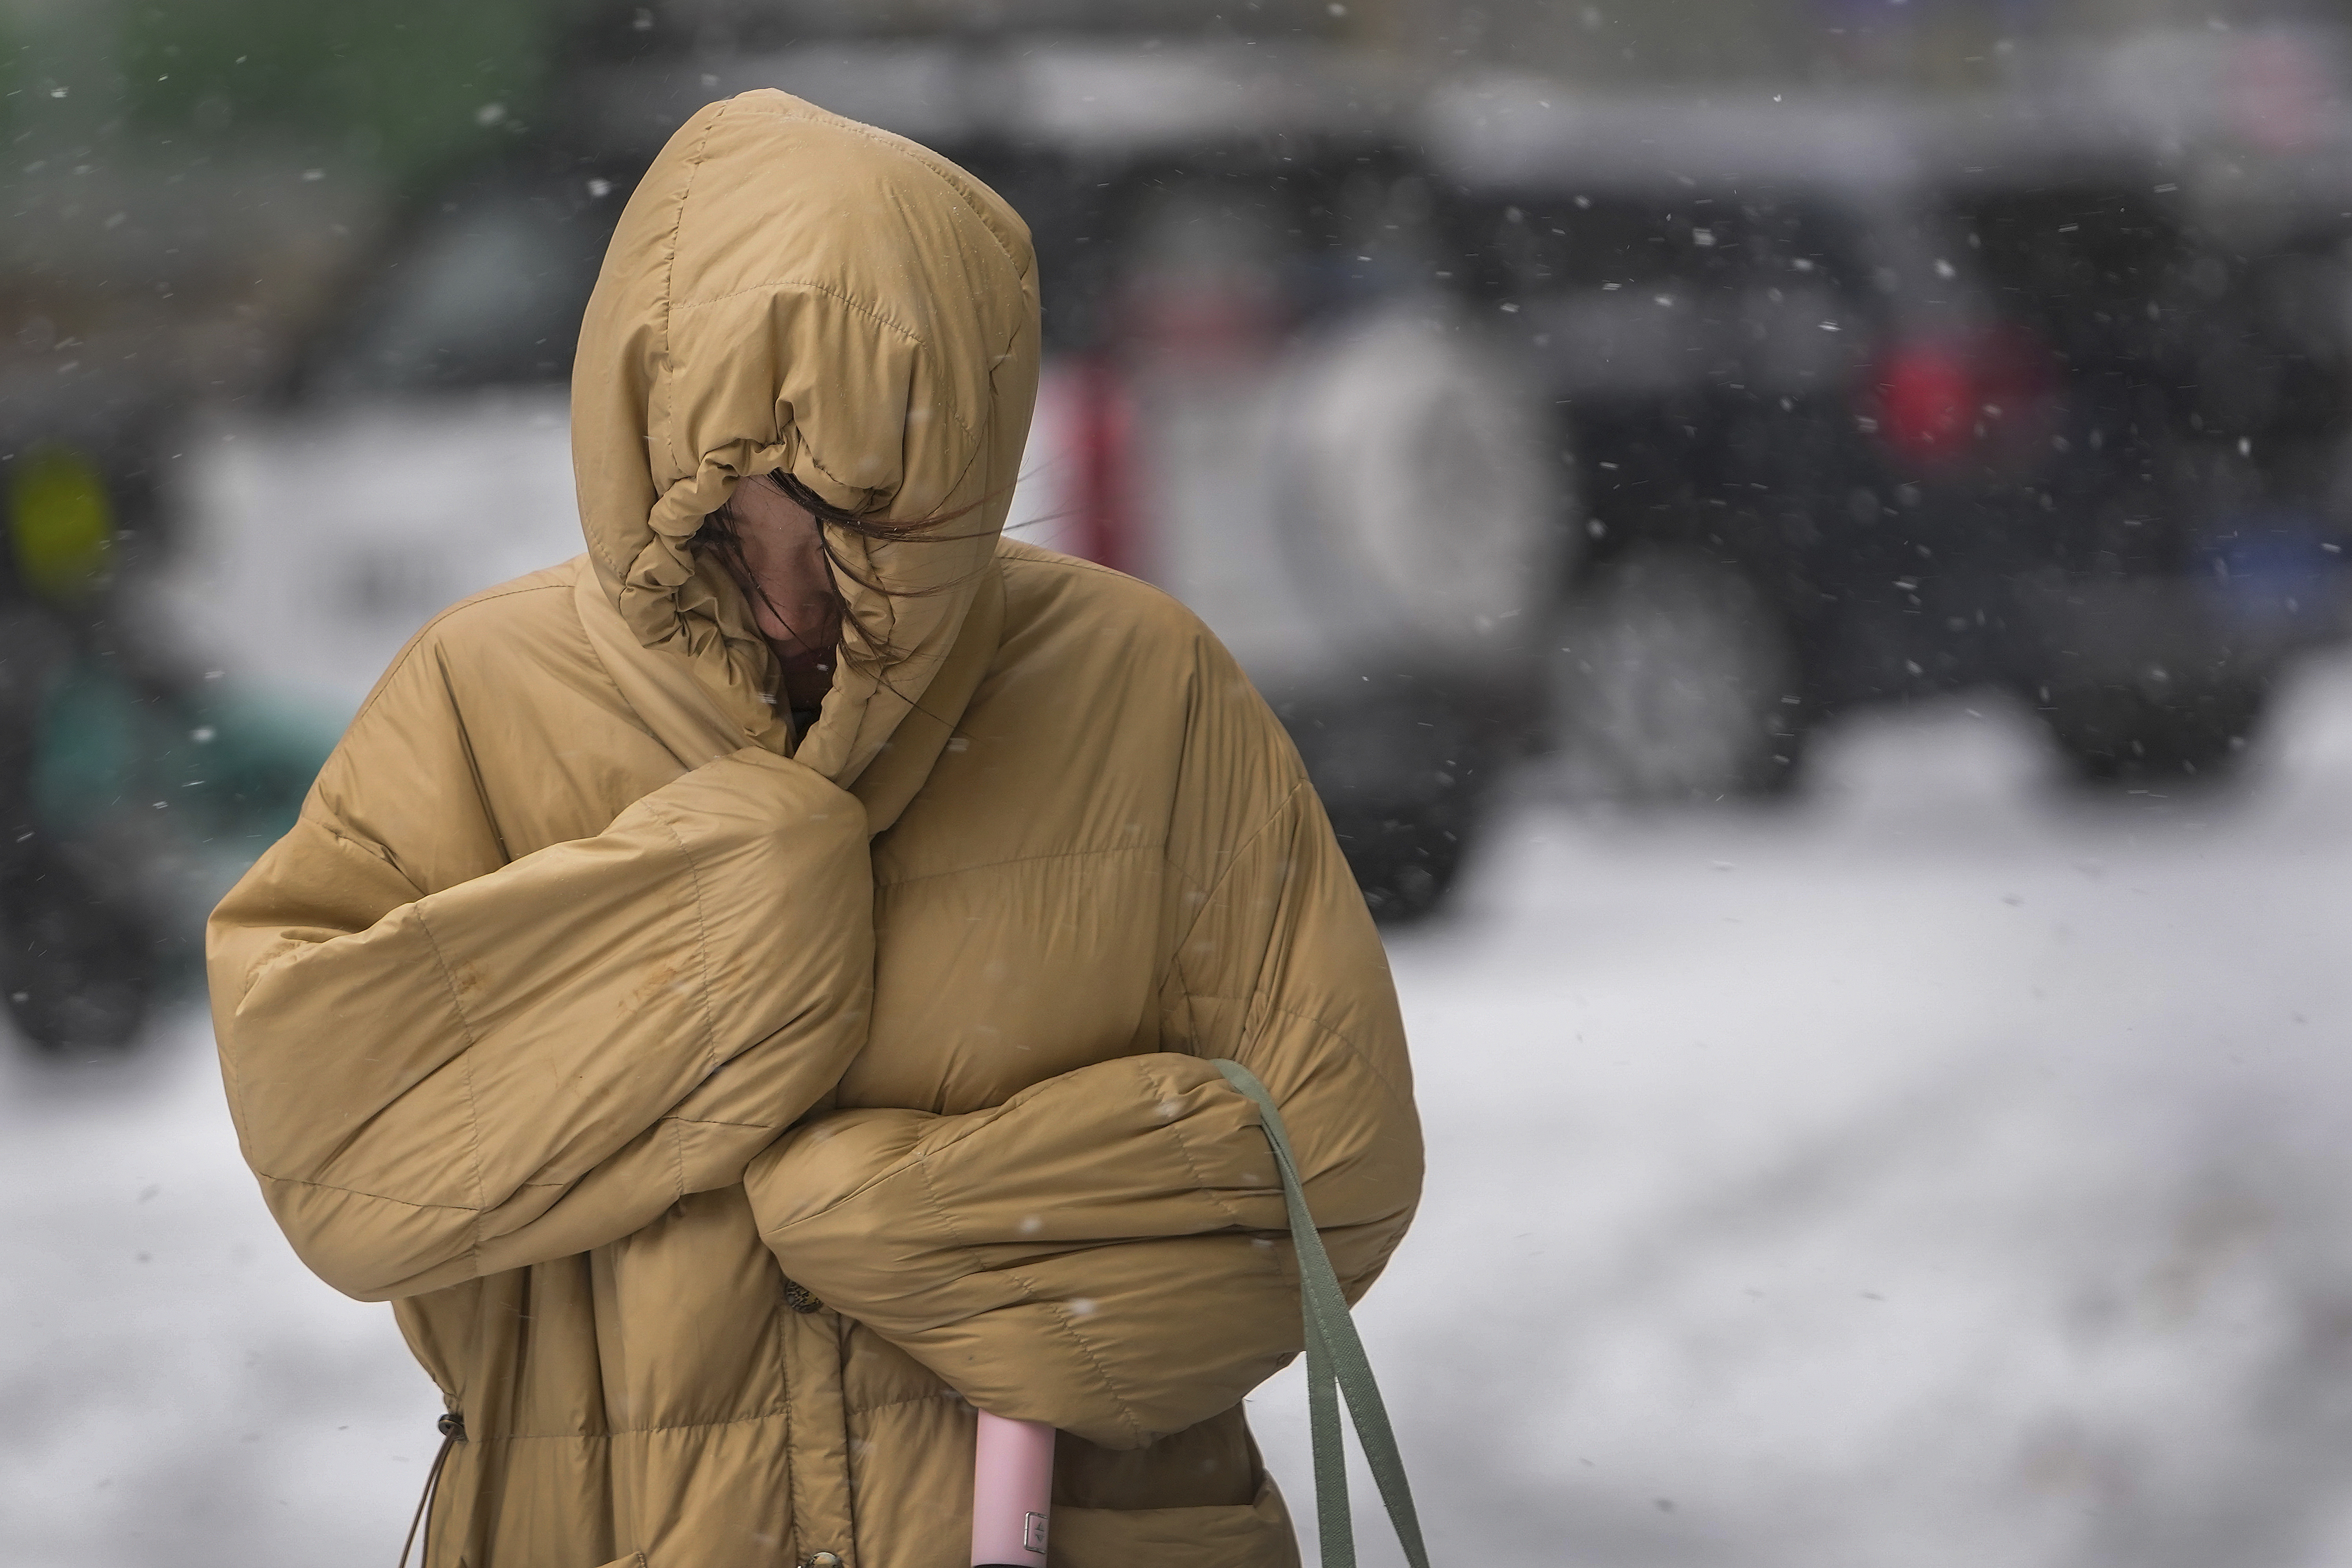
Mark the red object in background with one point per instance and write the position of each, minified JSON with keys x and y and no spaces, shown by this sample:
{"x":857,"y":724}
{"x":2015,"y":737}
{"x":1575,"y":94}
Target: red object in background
{"x":1965,"y":395}
{"x":1104,"y":420}
{"x":2282,"y":92}
{"x":1926,"y":400}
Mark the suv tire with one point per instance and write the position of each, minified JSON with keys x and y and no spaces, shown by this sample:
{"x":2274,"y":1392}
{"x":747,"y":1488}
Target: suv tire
{"x":76,"y":969}
{"x":2127,"y":736}
{"x":1669,"y":680}
{"x":1403,"y":780}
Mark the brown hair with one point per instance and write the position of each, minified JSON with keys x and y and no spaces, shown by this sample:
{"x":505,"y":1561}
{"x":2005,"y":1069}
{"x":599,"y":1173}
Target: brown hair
{"x":719,"y":538}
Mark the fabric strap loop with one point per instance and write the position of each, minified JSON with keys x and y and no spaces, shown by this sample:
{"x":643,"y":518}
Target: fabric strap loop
{"x":1336,"y":1366}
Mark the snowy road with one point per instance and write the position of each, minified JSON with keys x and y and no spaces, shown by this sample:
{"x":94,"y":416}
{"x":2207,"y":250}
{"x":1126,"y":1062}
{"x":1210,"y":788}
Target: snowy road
{"x":1937,"y":1170}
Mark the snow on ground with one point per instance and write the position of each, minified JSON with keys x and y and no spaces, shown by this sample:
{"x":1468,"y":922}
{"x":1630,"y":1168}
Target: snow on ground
{"x":1940,"y":1169}
{"x":178,"y":1388}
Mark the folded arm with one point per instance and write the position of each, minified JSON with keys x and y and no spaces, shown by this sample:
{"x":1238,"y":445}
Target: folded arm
{"x":1107,"y":1251}
{"x":541,"y":1058}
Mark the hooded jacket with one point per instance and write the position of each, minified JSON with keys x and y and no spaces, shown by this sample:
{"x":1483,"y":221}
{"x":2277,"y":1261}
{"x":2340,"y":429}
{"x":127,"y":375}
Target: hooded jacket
{"x":726,"y":1110}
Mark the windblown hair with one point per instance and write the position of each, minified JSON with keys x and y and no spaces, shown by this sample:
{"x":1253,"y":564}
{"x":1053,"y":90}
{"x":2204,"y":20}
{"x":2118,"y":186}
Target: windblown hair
{"x":719,"y":537}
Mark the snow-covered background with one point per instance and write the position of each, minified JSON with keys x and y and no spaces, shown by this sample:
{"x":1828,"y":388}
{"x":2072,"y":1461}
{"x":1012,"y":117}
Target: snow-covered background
{"x":1938,"y":1168}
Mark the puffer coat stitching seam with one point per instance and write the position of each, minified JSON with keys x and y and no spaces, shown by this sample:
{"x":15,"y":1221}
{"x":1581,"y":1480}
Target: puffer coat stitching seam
{"x":1075,"y":567}
{"x":1184,"y":874}
{"x":1019,"y":860}
{"x":975,"y":445}
{"x":1008,"y":560}
{"x":1072,"y":564}
{"x":701,"y":946}
{"x":635,"y":718}
{"x":711,"y":1122}
{"x":325,"y":824}
{"x":473,"y":758}
{"x":775,"y":285}
{"x":1186,"y":1032}
{"x":942,"y":1393}
{"x":1239,"y":853}
{"x":808,"y":450}
{"x":970,"y":437}
{"x":1015,"y":557}
{"x":465,"y":1072}
{"x":911,"y":1159}
{"x":915,"y":150}
{"x":669,"y":274}
{"x":319,"y":818}
{"x":1201,"y":1182}
{"x":914,"y":1159}
{"x":778,"y":1412}
{"x":383,"y":681}
{"x":1311,"y":1021}
{"x":1063,"y":1316}
{"x":1067,"y":1322}
{"x":1378,"y":1075}
{"x":374,"y":1198}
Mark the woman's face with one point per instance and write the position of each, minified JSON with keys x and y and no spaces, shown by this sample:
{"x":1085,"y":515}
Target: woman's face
{"x":794,"y":600}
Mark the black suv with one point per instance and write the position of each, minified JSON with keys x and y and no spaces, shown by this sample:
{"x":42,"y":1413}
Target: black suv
{"x":1874,"y":400}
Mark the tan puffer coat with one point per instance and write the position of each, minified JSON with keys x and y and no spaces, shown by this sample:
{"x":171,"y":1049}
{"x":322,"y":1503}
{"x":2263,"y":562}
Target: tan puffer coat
{"x":727,"y":1111}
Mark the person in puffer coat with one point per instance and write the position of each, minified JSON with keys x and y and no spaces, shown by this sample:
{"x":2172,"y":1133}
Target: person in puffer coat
{"x":728,"y":1102}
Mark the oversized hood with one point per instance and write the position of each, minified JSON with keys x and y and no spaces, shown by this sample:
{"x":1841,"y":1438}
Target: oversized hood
{"x":790,"y":290}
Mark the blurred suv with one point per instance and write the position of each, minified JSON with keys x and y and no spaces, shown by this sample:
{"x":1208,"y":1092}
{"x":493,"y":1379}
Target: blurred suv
{"x":1871,"y":400}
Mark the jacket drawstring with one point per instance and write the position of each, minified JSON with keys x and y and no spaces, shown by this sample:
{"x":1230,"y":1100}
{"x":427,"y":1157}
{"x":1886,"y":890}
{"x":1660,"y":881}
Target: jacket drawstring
{"x":453,"y":1430}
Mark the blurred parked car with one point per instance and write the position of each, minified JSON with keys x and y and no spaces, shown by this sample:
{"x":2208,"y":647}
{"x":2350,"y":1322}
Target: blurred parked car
{"x":1869,"y":401}
{"x":78,"y":942}
{"x":130,"y":789}
{"x":133,"y":787}
{"x":1254,"y":396}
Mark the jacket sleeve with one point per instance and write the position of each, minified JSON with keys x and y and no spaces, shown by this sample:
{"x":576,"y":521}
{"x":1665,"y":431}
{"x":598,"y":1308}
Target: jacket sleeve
{"x":539,"y":1060}
{"x":1107,"y":1250}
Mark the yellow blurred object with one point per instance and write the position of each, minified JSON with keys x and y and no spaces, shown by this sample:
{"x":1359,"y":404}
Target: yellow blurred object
{"x":61,"y":524}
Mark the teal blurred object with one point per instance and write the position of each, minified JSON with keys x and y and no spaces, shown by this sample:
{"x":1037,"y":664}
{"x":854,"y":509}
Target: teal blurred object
{"x":136,"y":807}
{"x":133,"y":791}
{"x":227,"y":775}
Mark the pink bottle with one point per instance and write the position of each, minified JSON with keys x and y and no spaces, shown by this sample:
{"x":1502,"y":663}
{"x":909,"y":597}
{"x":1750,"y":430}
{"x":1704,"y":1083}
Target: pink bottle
{"x":1011,"y":1492}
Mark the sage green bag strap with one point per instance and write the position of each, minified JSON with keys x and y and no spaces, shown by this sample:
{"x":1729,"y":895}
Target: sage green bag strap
{"x":1336,"y":1364}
